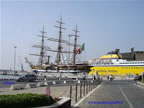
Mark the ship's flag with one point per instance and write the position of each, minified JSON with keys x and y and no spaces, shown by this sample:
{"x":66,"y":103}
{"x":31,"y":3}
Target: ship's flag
{"x":79,"y":50}
{"x":82,"y":48}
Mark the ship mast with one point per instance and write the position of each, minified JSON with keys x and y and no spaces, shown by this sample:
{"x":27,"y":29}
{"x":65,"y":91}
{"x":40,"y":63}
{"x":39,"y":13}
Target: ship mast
{"x":42,"y":47}
{"x":75,"y":46}
{"x":58,"y":60}
{"x":59,"y":49}
{"x":69,"y":44}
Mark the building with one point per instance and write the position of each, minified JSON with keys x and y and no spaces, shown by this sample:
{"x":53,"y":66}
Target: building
{"x":133,"y":55}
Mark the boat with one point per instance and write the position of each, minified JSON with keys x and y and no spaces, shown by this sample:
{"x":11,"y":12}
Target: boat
{"x":67,"y":67}
{"x":113,"y":64}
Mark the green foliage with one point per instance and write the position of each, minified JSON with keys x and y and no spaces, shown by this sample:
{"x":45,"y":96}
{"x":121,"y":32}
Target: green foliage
{"x":25,"y":100}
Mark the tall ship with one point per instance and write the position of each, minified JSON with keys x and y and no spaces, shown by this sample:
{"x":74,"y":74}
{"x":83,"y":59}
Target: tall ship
{"x":63,"y":66}
{"x":113,"y":64}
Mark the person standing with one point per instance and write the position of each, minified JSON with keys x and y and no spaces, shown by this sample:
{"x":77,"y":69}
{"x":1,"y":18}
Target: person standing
{"x":110,"y":77}
{"x":136,"y":78}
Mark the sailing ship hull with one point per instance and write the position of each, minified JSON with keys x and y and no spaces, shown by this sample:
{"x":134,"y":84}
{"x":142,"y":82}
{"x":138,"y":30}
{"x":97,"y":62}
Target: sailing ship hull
{"x":66,"y":71}
{"x":63,"y":73}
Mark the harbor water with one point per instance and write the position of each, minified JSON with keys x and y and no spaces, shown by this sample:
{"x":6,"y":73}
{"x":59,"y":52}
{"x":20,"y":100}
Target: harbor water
{"x":8,"y":77}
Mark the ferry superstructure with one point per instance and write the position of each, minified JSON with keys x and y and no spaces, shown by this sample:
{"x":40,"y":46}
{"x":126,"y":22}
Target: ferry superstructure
{"x":113,"y":64}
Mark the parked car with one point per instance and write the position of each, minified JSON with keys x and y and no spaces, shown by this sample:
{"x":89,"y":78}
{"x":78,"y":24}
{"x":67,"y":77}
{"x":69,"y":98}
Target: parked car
{"x":27,"y":77}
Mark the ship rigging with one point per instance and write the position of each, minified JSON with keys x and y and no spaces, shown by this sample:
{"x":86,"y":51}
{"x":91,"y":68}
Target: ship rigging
{"x":60,"y":67}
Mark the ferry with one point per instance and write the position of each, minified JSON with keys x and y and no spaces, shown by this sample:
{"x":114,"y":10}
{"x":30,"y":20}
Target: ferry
{"x":112,"y":64}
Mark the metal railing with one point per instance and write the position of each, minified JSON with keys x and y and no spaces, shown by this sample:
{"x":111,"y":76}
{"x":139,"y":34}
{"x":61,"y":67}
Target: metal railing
{"x":77,"y":91}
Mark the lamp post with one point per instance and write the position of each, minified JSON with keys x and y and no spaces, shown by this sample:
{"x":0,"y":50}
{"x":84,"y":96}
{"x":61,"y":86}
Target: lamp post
{"x":14,"y":56}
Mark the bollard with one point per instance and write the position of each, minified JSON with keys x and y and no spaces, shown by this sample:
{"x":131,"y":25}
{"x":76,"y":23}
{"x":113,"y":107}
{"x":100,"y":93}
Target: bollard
{"x":86,"y":87}
{"x":89,"y":86}
{"x":70,"y":91}
{"x":80,"y":90}
{"x":48,"y":91}
{"x":78,"y":81}
{"x":92,"y":85}
{"x":95,"y":85}
{"x":65,"y":82}
{"x":76,"y":94}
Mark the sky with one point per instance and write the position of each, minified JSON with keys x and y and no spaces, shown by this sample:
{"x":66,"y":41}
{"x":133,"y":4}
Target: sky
{"x":104,"y":25}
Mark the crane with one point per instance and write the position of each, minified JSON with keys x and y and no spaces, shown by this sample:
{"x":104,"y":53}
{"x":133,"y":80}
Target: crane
{"x":22,"y":69}
{"x":27,"y":61}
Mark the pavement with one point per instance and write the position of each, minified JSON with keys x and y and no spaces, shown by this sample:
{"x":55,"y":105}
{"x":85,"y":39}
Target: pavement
{"x":125,"y":92}
{"x":58,"y":90}
{"x":8,"y":83}
{"x":55,"y":91}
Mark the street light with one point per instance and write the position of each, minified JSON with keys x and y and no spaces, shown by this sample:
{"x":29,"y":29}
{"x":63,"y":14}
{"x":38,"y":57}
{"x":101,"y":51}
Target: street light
{"x":14,"y":56}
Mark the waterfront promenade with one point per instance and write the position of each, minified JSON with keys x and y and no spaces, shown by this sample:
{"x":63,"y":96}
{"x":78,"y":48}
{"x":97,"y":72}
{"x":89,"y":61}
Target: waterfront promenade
{"x":56,"y":90}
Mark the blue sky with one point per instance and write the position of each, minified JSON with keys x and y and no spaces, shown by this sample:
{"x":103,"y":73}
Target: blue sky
{"x":104,"y":25}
